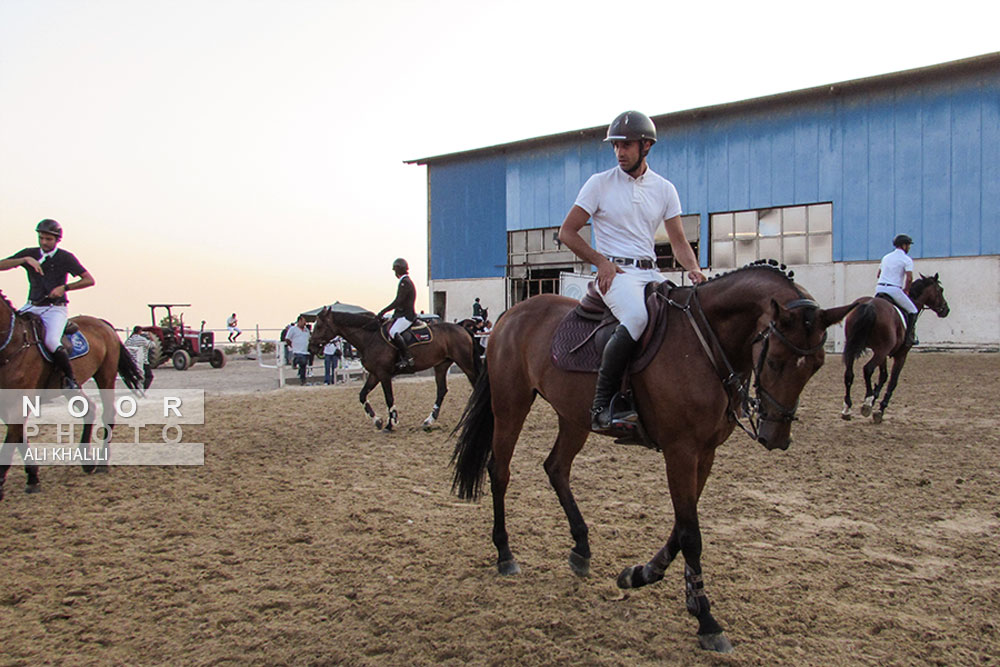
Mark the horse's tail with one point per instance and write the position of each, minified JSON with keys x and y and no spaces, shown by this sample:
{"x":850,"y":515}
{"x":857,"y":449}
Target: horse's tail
{"x":129,"y":371}
{"x":474,"y":448}
{"x":862,"y":324}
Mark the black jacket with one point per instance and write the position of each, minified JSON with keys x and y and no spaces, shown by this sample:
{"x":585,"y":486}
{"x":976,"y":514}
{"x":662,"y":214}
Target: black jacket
{"x":405,"y":303}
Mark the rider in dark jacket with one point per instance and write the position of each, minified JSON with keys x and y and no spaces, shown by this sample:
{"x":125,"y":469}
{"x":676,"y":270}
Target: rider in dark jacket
{"x":404,"y":312}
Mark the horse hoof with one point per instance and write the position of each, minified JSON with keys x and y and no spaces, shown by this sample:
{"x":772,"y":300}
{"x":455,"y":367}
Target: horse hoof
{"x":579,"y":564}
{"x":508,"y":568}
{"x":877,"y":417}
{"x":33,"y":488}
{"x":88,"y":468}
{"x":378,"y":424}
{"x":627,"y":578}
{"x":846,"y":416}
{"x":716,"y":641}
{"x":103,"y":469}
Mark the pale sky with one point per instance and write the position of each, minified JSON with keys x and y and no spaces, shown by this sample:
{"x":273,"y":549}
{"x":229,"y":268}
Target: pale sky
{"x":247,"y":155}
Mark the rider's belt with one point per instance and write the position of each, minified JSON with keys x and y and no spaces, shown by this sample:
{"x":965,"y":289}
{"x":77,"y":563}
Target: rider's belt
{"x":628,"y":261}
{"x":888,"y":285}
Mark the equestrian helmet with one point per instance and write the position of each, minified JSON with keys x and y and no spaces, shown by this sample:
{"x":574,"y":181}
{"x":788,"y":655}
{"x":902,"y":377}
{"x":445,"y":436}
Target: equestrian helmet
{"x":400,"y":264}
{"x":631,"y":126}
{"x":49,"y":226}
{"x":901,"y":240}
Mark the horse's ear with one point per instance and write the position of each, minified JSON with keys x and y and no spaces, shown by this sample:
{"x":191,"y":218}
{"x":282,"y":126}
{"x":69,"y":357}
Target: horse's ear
{"x":936,"y":278}
{"x":834,"y":315}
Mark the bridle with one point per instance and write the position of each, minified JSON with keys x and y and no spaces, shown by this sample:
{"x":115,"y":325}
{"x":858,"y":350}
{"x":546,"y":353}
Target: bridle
{"x":736,"y":385}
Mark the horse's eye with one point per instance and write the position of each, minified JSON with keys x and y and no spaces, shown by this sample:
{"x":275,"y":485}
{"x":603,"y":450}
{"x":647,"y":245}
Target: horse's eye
{"x":773,"y":365}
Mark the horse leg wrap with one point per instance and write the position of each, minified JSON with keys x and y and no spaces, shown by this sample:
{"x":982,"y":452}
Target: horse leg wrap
{"x":694,"y":590}
{"x":393,"y":418}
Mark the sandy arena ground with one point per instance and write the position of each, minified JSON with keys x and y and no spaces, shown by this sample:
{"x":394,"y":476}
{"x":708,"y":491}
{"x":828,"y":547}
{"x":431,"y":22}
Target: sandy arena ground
{"x":309,"y":538}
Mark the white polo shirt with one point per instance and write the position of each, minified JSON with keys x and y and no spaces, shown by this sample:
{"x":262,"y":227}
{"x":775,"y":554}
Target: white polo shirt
{"x":626,"y":211}
{"x":894,"y":267}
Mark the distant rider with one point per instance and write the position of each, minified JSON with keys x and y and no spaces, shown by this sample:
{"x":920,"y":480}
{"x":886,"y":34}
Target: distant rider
{"x":627,"y":204}
{"x":895,"y":275}
{"x":47,"y":267}
{"x":404,"y":312}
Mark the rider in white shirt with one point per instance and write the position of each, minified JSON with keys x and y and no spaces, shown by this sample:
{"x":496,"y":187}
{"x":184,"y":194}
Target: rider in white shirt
{"x":626,"y":204}
{"x":895,"y":275}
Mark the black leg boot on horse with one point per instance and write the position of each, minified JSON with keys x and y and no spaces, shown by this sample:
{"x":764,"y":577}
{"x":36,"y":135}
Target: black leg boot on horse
{"x":405,"y":363}
{"x":614,"y":361}
{"x":911,"y":329}
{"x":61,"y":360}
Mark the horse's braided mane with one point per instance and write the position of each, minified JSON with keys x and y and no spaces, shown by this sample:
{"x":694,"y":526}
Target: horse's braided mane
{"x":768,"y":264}
{"x":7,"y":301}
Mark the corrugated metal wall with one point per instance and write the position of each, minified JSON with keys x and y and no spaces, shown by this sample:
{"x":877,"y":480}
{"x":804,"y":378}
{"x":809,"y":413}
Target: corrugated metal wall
{"x":920,"y":158}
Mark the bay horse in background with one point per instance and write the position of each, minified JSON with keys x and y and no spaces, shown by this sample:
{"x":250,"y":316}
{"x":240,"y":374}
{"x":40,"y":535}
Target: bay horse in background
{"x":450,"y":344}
{"x":739,"y":346}
{"x":22,"y":366}
{"x":877,"y":324}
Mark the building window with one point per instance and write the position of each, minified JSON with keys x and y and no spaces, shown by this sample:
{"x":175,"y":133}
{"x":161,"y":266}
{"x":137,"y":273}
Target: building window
{"x":792,"y":235}
{"x":535,"y":258}
{"x":665,"y":260}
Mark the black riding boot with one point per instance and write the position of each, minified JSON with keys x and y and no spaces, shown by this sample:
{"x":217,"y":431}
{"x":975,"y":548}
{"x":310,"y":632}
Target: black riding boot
{"x":614,"y":361}
{"x":61,"y":360}
{"x":911,"y":329}
{"x":405,"y":362}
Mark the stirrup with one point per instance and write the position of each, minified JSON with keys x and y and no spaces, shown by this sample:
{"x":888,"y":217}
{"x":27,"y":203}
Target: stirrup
{"x":70,"y":383}
{"x":404,"y":365}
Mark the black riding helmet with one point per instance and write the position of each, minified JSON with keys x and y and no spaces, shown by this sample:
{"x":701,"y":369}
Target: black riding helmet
{"x":901,"y":240}
{"x":49,"y":226}
{"x":400,"y":264}
{"x":631,"y":126}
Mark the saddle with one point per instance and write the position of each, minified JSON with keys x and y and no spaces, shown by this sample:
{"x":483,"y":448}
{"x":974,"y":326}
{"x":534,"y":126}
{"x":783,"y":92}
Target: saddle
{"x":73,"y":340}
{"x":418,"y":333}
{"x":899,"y":311}
{"x":579,"y":339}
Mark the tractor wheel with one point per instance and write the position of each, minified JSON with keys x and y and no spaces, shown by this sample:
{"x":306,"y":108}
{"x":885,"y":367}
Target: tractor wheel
{"x":218,"y":359}
{"x":156,"y":352}
{"x":182,"y":360}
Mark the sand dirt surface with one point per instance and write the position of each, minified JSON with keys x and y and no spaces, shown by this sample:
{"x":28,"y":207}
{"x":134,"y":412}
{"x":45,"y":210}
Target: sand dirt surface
{"x":309,"y":538}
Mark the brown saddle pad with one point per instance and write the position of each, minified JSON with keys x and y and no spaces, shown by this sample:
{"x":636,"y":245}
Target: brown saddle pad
{"x":579,"y":340}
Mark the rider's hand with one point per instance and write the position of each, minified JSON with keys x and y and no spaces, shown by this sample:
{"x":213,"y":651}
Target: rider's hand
{"x":697,"y":276}
{"x":33,"y":263}
{"x":606,"y":272}
{"x":58,"y":292}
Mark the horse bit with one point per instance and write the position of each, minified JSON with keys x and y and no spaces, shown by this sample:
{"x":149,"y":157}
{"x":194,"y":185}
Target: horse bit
{"x":736,"y":385}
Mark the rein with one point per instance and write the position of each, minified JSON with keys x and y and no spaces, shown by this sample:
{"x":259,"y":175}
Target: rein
{"x":737,"y":386}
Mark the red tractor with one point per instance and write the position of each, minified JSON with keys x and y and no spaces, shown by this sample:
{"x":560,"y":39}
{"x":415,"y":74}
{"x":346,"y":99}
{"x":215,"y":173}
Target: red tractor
{"x":182,"y":345}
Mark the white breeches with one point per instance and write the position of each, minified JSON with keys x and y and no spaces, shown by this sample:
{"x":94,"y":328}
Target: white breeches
{"x":54,"y":318}
{"x":898,"y":295}
{"x":625,"y":298}
{"x":399,"y":326}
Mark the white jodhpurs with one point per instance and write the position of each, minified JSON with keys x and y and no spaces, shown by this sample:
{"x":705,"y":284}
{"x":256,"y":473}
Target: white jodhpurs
{"x":898,"y":296}
{"x":399,"y":326}
{"x":625,"y":298}
{"x":54,"y":318}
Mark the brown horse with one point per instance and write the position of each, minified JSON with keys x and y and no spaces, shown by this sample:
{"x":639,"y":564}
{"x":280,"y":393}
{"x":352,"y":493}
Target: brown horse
{"x":23,"y":367}
{"x":450,"y":344}
{"x":876,"y":324}
{"x":751,"y":325}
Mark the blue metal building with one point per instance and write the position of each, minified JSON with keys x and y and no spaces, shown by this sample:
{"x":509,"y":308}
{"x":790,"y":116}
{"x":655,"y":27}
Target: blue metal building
{"x":823,"y":177}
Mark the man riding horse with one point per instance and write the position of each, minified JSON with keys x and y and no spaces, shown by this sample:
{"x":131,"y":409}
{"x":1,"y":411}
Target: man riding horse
{"x":895,"y":275}
{"x":47,"y":267}
{"x":626,"y":204}
{"x":404,"y":312}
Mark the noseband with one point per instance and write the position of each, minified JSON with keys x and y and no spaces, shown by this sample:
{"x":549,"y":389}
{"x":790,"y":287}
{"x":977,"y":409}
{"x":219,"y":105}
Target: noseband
{"x":737,"y":386}
{"x":785,"y":414}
